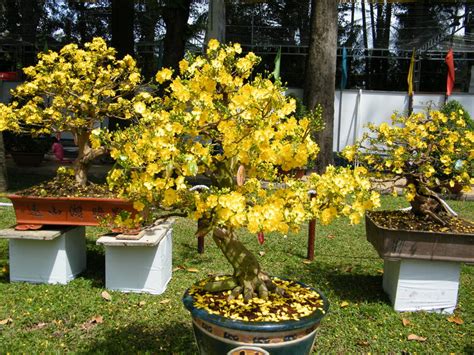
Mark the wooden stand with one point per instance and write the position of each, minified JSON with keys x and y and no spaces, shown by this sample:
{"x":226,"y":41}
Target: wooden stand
{"x":142,"y":265}
{"x":46,"y":256}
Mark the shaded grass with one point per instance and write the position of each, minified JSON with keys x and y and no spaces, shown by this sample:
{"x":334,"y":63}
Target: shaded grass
{"x":47,"y":318}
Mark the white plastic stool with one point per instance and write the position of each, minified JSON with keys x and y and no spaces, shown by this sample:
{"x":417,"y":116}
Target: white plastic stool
{"x":142,"y":265}
{"x":415,"y":285}
{"x":46,"y":256}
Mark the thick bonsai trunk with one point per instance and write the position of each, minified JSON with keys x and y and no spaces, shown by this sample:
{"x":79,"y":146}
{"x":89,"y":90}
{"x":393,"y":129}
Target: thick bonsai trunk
{"x":248,"y":278}
{"x":428,"y":203}
{"x":85,"y":156}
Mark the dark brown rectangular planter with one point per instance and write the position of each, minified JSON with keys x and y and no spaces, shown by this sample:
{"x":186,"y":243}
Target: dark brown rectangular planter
{"x":27,"y":158}
{"x":404,"y":244}
{"x":78,"y":211}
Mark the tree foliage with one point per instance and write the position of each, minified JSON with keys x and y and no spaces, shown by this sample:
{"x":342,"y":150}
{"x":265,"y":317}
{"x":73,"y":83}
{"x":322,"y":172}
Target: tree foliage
{"x":429,"y":151}
{"x":217,"y":120}
{"x":73,"y":90}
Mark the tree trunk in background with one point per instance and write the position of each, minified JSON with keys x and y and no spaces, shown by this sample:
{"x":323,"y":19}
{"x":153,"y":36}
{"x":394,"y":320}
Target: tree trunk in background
{"x":122,"y":41}
{"x":321,"y":73}
{"x":30,"y":11}
{"x":215,"y":21}
{"x":175,"y":15}
{"x":350,"y":42}
{"x":13,"y":18}
{"x":148,"y":20}
{"x":122,"y":27}
{"x":469,"y":22}
{"x":379,"y":65}
{"x":385,"y":42}
{"x":3,"y":166}
{"x":366,"y":46}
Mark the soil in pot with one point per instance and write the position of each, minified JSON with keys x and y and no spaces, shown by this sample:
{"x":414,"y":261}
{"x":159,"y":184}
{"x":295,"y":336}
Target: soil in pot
{"x":406,"y":220}
{"x":66,"y":186}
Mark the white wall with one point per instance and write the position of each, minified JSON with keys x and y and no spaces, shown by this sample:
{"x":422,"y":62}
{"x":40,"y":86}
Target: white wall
{"x":360,"y":107}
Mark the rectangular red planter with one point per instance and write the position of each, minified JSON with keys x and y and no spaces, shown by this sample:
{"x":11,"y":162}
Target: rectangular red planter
{"x":78,"y":211}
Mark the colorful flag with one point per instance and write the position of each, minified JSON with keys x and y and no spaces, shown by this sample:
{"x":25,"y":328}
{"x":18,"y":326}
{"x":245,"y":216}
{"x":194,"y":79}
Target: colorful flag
{"x":449,"y":60}
{"x":344,"y":69}
{"x":276,"y":71}
{"x":410,"y":73}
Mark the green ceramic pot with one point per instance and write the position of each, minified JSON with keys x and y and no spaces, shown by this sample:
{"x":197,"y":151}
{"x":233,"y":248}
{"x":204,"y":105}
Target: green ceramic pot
{"x":220,"y":336}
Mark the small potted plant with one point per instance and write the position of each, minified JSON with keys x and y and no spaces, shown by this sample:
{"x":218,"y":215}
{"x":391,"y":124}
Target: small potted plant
{"x":73,"y":90}
{"x":426,"y":152}
{"x":216,"y":120}
{"x":25,"y":149}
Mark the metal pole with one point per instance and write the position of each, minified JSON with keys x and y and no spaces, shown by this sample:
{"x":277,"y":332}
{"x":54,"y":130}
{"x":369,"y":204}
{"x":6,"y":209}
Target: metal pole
{"x":200,"y":245}
{"x":359,"y":96}
{"x":339,"y":121}
{"x":311,"y":233}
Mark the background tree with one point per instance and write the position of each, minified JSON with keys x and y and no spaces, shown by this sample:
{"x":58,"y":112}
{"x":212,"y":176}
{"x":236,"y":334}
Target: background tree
{"x":175,"y":14}
{"x":122,"y":27}
{"x":320,"y":75}
{"x":74,"y":91}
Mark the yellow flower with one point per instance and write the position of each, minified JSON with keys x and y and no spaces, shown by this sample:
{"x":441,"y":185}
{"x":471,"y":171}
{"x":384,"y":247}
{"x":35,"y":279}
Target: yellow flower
{"x":163,"y":75}
{"x":138,"y":205}
{"x":212,"y":45}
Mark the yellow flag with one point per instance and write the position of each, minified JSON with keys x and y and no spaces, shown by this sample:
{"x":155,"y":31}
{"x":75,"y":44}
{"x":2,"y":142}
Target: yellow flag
{"x":410,"y":74}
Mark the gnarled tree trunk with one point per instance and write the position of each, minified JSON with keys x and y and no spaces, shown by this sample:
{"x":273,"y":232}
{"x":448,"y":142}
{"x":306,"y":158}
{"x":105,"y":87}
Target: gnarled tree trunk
{"x":84,"y":157}
{"x":248,"y":278}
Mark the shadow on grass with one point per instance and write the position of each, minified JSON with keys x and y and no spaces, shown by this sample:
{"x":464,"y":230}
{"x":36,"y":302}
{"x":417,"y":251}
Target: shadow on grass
{"x":357,"y":287}
{"x":174,"y":338}
{"x":95,"y":270}
{"x":353,"y":286}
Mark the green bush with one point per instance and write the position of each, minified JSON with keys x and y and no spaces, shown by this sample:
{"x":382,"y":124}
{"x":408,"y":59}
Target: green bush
{"x":456,"y":106}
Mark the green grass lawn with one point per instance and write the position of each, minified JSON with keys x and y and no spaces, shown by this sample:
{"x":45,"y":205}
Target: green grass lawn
{"x":47,"y":318}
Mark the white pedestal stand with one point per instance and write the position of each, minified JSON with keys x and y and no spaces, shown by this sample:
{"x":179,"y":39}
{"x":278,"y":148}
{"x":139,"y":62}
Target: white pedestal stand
{"x":142,"y":265}
{"x":415,"y":285}
{"x":46,"y":256}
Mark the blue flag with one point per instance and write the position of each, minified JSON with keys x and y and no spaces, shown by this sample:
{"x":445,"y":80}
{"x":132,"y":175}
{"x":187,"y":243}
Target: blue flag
{"x":344,"y":69}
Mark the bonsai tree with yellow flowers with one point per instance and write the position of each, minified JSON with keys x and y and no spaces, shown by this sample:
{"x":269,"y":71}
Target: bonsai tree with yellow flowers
{"x":218,"y":120}
{"x":74,"y":90}
{"x":427,"y":151}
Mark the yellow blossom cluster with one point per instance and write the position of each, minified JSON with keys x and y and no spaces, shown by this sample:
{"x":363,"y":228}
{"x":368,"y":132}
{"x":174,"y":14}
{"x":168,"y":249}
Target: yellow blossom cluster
{"x":428,"y":149}
{"x":74,"y":90}
{"x":215,"y":119}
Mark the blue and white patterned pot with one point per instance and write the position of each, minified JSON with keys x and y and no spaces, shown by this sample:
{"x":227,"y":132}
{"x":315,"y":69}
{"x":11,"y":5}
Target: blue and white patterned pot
{"x":216,"y":335}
